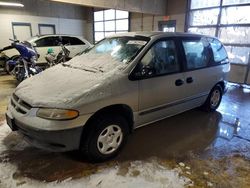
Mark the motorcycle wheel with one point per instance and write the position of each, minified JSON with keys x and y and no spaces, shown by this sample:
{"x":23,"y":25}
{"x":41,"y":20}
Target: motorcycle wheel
{"x":20,"y":75}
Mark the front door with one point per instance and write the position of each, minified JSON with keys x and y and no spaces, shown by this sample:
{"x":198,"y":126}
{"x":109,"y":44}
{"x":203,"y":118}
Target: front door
{"x":161,"y":84}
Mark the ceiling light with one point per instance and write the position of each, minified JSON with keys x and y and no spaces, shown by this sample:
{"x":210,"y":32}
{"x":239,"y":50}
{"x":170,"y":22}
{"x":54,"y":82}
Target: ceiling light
{"x":11,"y":4}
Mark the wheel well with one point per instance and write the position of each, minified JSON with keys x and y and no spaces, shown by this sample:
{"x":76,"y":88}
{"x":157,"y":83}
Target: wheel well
{"x":222,"y":84}
{"x":120,"y":109}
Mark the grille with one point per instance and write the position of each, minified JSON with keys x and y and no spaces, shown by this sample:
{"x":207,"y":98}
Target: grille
{"x":20,"y":105}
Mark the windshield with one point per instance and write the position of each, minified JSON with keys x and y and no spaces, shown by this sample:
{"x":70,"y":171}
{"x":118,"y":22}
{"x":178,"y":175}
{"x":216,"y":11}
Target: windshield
{"x":122,"y":49}
{"x":109,"y":54}
{"x":32,"y":39}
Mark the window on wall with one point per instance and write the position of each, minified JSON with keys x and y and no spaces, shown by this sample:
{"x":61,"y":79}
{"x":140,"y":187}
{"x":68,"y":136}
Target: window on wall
{"x":21,"y":31}
{"x":228,"y":20}
{"x":46,"y":29}
{"x":108,"y":22}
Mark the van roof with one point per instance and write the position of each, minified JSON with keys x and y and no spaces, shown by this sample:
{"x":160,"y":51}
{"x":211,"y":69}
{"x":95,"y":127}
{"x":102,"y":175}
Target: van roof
{"x":158,"y":33}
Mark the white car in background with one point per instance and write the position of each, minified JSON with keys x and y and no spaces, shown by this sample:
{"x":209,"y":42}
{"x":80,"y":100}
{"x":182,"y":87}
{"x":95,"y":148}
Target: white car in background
{"x":74,"y":44}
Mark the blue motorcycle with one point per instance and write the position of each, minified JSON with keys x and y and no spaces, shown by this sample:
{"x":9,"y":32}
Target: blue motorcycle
{"x":25,"y":65}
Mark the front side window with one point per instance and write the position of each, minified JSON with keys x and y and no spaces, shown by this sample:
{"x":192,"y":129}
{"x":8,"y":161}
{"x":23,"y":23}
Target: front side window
{"x":160,"y":59}
{"x":197,"y":52}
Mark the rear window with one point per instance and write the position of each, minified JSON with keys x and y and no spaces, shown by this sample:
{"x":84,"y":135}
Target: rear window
{"x":219,"y":52}
{"x":198,"y":53}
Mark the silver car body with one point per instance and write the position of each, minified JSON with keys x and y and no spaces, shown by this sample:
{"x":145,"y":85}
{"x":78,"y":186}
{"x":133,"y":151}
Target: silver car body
{"x":88,"y":92}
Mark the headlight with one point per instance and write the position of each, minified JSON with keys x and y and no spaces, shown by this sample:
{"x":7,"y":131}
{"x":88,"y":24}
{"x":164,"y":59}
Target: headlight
{"x":56,"y":114}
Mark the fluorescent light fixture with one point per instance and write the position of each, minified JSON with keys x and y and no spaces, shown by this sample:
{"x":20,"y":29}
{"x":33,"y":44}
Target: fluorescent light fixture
{"x":11,"y":4}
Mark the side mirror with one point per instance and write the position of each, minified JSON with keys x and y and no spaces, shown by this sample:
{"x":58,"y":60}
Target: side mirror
{"x":145,"y":71}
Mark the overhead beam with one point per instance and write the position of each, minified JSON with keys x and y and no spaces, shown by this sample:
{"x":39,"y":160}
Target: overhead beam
{"x":157,"y":7}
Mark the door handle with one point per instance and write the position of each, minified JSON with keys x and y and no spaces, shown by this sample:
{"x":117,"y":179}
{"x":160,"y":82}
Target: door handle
{"x":189,"y":80}
{"x":179,"y":82}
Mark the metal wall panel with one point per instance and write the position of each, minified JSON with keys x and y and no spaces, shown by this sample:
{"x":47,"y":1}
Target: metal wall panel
{"x":237,"y":73}
{"x":157,"y":7}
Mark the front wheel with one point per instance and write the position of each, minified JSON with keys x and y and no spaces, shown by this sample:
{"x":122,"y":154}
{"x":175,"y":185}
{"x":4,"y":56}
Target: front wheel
{"x":105,"y":138}
{"x":8,"y":67}
{"x":214,"y":99}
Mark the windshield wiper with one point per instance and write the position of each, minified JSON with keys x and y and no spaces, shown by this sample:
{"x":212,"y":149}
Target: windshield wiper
{"x":86,"y":68}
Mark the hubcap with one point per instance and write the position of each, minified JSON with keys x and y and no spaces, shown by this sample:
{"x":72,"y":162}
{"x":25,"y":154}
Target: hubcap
{"x":215,"y":98}
{"x":110,"y":139}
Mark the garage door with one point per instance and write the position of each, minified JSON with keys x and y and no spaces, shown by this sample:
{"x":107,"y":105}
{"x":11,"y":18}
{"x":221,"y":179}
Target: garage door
{"x":229,"y":21}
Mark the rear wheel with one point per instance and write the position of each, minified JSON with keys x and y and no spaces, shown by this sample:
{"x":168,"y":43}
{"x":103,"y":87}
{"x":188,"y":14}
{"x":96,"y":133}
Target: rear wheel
{"x":214,"y":99}
{"x":105,"y":138}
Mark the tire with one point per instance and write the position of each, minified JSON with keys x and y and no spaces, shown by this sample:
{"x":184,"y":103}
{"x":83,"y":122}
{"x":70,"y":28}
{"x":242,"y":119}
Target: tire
{"x":213,"y":100}
{"x":104,"y":138}
{"x":8,"y":68}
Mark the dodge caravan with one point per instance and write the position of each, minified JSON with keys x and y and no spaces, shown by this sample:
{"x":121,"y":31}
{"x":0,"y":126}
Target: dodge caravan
{"x":125,"y":81}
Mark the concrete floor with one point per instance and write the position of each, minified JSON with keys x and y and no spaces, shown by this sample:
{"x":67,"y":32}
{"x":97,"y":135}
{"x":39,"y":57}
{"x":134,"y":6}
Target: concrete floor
{"x":212,"y":149}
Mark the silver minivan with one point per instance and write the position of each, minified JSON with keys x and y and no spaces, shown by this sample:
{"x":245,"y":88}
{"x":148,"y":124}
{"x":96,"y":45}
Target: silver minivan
{"x":125,"y":81}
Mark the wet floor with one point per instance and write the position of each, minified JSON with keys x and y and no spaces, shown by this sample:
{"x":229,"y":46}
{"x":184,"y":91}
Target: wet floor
{"x":212,"y":149}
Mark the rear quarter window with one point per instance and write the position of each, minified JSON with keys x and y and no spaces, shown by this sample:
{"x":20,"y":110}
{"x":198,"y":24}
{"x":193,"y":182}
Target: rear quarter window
{"x":219,"y":52}
{"x":76,"y":41}
{"x":71,"y":41}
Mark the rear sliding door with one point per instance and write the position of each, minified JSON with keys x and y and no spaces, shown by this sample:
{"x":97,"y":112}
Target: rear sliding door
{"x":201,"y":70}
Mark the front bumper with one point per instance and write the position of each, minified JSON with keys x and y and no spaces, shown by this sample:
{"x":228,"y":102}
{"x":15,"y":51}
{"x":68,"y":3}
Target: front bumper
{"x":50,"y":135}
{"x":59,"y":141}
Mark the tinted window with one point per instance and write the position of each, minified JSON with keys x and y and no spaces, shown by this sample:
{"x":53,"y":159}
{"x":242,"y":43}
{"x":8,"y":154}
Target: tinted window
{"x":198,"y":53}
{"x":218,"y":49}
{"x":160,"y":59}
{"x":76,"y":41}
{"x":65,"y":40}
{"x":72,"y":41}
{"x":47,"y":41}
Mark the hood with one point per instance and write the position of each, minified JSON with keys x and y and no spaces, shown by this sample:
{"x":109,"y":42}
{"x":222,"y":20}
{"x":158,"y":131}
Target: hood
{"x":68,"y":85}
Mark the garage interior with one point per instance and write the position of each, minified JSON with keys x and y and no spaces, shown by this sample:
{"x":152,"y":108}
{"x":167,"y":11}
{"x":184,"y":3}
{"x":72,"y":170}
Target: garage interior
{"x":192,"y":149}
